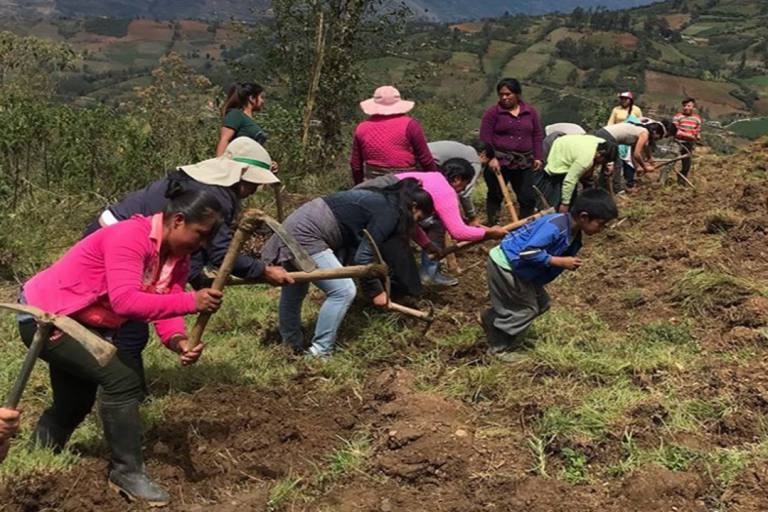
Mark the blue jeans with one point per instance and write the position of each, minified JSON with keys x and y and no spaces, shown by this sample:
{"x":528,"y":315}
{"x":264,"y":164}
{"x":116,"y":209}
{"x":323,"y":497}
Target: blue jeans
{"x":629,"y":174}
{"x":339,"y":294}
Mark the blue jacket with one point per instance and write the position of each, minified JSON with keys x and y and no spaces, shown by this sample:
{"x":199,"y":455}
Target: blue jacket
{"x":530,"y":249}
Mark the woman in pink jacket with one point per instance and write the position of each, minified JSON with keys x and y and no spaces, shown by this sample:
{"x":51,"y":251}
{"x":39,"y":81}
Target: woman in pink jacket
{"x":133,"y":270}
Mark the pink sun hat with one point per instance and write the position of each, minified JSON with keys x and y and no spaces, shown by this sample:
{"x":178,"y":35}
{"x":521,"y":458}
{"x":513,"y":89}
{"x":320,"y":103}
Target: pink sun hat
{"x":627,"y":95}
{"x":386,"y":101}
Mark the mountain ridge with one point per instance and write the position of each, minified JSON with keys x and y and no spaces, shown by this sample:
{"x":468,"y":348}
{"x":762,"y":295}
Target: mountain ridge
{"x":437,"y":10}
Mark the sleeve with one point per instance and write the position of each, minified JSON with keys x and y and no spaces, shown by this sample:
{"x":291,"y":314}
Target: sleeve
{"x":447,"y":208}
{"x":612,"y":119}
{"x":169,"y":327}
{"x":486,"y":126}
{"x":356,"y":160}
{"x":465,"y":198}
{"x":245,"y":266}
{"x":638,"y":112}
{"x":577,"y":170}
{"x":233,"y":120}
{"x":124,"y":267}
{"x":698,"y":125}
{"x":420,"y":237}
{"x":536,"y":251}
{"x":538,"y":136}
{"x":420,"y":149}
{"x":381,"y":228}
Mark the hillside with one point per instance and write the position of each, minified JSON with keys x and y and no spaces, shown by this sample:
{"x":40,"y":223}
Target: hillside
{"x":442,"y":10}
{"x":572,"y":65}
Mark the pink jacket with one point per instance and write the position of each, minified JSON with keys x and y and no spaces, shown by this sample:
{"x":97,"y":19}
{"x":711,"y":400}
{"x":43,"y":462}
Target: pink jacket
{"x":391,"y":142}
{"x":115,"y":262}
{"x":446,"y":208}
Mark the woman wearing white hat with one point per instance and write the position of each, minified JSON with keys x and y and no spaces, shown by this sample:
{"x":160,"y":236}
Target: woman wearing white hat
{"x":388,"y":141}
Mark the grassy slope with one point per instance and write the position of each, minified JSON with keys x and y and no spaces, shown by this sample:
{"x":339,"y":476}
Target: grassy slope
{"x":651,"y":358}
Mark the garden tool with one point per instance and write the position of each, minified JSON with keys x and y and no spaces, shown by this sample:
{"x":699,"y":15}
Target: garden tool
{"x":507,"y":199}
{"x":99,"y":348}
{"x":279,"y":188}
{"x":352,"y":272}
{"x":249,"y":222}
{"x":509,"y":227}
{"x":421,"y":315}
{"x":542,"y":199}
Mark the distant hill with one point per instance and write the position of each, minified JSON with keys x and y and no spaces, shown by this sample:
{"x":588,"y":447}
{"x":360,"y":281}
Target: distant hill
{"x":443,"y":10}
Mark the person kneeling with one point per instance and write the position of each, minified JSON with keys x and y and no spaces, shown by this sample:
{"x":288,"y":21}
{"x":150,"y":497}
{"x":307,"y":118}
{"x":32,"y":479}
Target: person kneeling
{"x":532,"y":257}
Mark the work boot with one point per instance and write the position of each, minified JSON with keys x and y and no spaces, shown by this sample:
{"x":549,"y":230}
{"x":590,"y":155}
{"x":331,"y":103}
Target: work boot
{"x":430,"y":272}
{"x":492,"y":213}
{"x":49,"y":433}
{"x":128,"y":475}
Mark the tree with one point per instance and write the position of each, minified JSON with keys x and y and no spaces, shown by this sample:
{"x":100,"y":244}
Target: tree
{"x":297,"y":57}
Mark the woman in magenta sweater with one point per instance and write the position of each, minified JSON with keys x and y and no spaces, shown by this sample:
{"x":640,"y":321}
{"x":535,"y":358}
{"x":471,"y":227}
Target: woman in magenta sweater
{"x":513,"y":128}
{"x":388,"y":141}
{"x":133,"y":270}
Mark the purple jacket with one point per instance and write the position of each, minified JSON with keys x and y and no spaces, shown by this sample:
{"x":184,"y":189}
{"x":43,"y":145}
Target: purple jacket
{"x":520,"y":134}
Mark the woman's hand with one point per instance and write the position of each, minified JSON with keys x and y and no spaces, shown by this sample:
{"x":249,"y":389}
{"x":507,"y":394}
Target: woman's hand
{"x":537,"y":165}
{"x":276,"y":276}
{"x":9,"y":423}
{"x":495,"y":232}
{"x":380,"y":299}
{"x":435,"y":250}
{"x":275,"y":168}
{"x":564,"y":208}
{"x":494,"y":165}
{"x":187,"y":355}
{"x":648,"y":167}
{"x":208,"y":300}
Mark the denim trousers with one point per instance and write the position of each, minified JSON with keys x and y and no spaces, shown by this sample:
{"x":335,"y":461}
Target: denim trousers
{"x":339,"y":294}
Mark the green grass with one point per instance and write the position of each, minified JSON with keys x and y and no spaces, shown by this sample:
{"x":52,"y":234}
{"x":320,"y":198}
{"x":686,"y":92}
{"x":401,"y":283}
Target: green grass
{"x":751,"y":129}
{"x":761,"y":80}
{"x":701,"y":292}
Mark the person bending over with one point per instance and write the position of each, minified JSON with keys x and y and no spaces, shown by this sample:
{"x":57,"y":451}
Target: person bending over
{"x":530,"y":258}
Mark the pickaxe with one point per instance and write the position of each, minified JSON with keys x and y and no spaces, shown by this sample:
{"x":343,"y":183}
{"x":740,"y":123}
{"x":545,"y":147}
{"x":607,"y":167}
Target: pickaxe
{"x":100,"y":349}
{"x":249,"y":222}
{"x":279,"y":188}
{"x":505,"y":191}
{"x":509,"y":227}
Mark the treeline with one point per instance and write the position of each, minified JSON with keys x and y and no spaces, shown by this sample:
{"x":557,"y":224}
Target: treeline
{"x":600,"y":19}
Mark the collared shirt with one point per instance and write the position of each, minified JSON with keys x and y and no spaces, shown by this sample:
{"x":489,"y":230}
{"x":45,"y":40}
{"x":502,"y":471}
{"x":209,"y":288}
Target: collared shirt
{"x":521,"y":133}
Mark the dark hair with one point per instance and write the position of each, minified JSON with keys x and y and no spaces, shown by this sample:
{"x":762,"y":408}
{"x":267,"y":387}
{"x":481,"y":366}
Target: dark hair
{"x":458,"y":168}
{"x":689,"y":100}
{"x":406,"y":193}
{"x":238,"y":95}
{"x":596,"y":203}
{"x":197,"y":206}
{"x":670,"y":127}
{"x":481,"y":146}
{"x":513,"y":84}
{"x":611,"y":150}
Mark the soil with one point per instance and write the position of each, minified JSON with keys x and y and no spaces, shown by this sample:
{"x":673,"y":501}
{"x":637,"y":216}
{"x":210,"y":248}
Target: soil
{"x":224,"y":448}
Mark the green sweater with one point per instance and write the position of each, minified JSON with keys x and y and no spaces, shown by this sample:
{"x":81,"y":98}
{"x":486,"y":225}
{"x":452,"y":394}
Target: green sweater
{"x":572,"y":155}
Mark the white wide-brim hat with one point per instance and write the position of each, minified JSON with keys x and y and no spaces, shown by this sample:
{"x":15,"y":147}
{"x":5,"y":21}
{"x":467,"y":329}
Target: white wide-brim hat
{"x":386,"y":101}
{"x":244,"y":160}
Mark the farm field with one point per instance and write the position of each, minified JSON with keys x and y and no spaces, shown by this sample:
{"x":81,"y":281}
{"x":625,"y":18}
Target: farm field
{"x":641,"y":392}
{"x":715,"y":96}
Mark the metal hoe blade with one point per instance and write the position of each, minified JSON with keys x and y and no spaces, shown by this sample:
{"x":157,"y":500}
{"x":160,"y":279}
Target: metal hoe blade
{"x":301,"y":258}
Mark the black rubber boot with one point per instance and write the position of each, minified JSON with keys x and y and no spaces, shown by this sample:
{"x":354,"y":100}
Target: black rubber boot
{"x":128,"y":476}
{"x":492,"y":213}
{"x":49,"y":433}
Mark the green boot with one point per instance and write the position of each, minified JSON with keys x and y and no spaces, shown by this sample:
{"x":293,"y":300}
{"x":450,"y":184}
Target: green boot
{"x":128,"y":475}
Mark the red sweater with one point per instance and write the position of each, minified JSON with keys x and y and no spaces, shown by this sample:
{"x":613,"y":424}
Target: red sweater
{"x":396,"y":142}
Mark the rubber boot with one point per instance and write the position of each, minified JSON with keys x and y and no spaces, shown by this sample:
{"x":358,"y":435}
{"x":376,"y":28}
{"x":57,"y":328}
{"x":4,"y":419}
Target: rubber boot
{"x":492,"y":213}
{"x":49,"y":433}
{"x":430,"y":272}
{"x":128,"y":475}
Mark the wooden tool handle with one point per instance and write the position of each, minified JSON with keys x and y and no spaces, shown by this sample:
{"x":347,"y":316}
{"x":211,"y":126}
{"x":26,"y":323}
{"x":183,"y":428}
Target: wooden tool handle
{"x":421,"y":315}
{"x":41,"y":336}
{"x":244,"y":229}
{"x":351,"y":272}
{"x":509,"y":227}
{"x":507,"y":199}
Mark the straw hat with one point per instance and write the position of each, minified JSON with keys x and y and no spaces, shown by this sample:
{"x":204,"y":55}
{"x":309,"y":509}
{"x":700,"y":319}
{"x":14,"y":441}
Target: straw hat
{"x":386,"y":101}
{"x":244,"y":160}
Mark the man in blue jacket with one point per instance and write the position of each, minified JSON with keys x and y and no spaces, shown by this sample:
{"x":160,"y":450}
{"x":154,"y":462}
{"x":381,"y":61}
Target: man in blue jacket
{"x":531,"y":257}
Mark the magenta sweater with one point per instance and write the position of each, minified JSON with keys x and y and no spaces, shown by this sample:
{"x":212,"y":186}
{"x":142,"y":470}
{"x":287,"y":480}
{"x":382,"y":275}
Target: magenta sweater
{"x":446,"y":208}
{"x":114,"y":262}
{"x":391,"y":142}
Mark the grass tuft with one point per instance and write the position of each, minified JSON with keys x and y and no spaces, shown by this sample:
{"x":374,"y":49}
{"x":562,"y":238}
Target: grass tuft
{"x":701,"y":292}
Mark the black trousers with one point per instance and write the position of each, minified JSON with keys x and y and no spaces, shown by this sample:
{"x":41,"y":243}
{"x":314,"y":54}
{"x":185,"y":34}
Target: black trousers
{"x":522,"y":183}
{"x":686,"y":165}
{"x":76,"y":376}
